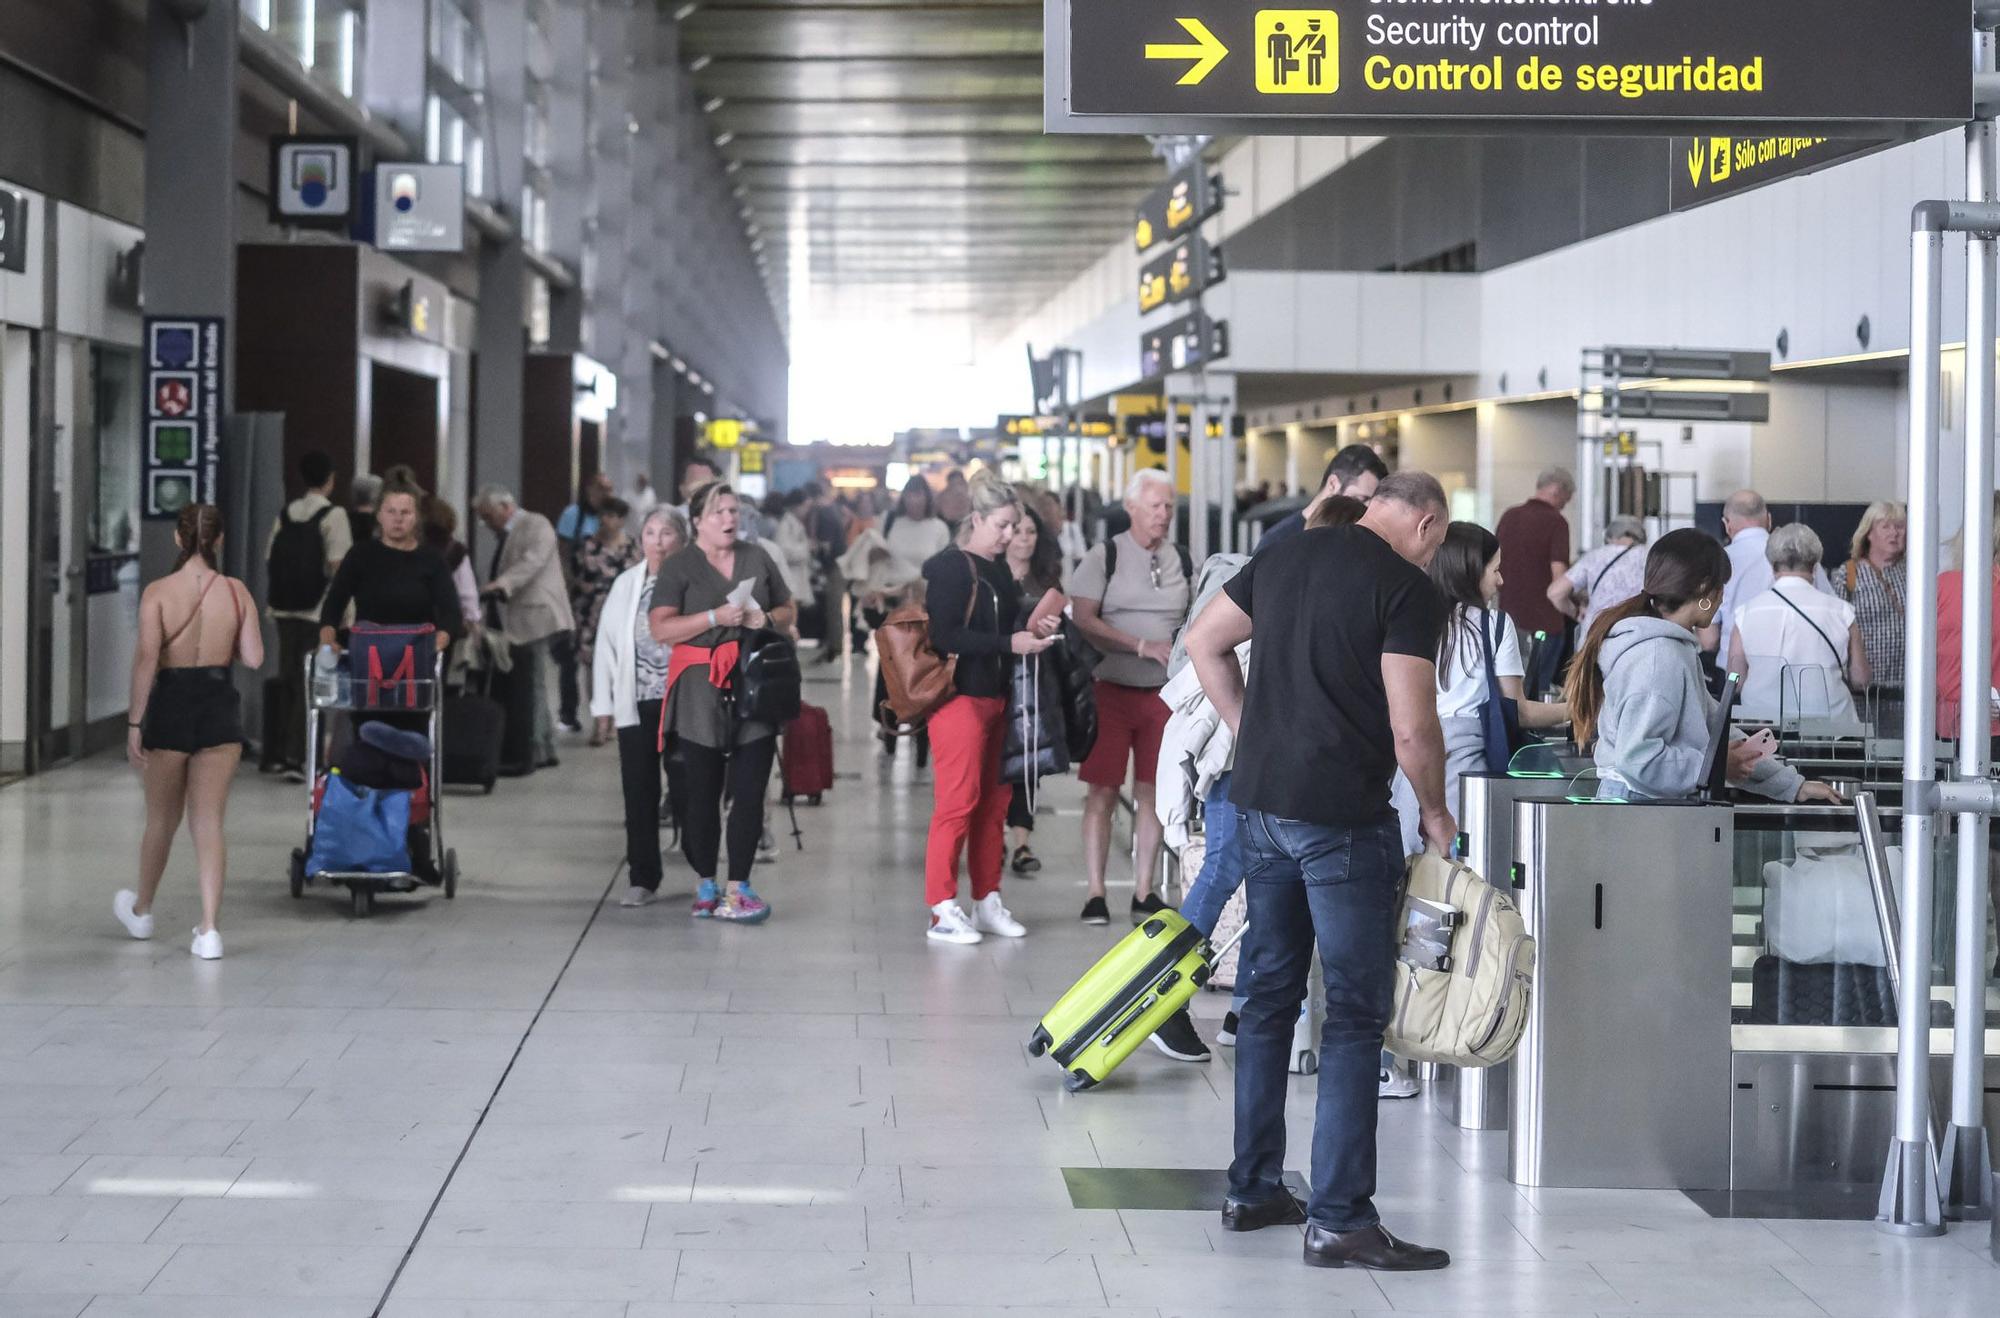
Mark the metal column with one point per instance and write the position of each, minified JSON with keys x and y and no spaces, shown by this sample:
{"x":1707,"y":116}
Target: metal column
{"x":1909,"y":1204}
{"x":503,"y":264}
{"x":1965,"y":1164}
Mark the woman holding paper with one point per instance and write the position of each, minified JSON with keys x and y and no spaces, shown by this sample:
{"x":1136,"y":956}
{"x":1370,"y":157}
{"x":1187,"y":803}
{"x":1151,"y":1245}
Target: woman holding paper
{"x":1035,"y":561}
{"x":975,"y":608}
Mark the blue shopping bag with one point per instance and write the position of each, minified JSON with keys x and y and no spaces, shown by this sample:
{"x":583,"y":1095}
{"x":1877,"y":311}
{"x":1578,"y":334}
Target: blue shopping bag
{"x":360,"y":830}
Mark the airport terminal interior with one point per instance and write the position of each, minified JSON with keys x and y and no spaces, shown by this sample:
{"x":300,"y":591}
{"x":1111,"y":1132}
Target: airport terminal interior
{"x":632,"y":682}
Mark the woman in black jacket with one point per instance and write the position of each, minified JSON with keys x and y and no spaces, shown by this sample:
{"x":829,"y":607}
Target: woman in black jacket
{"x":975,"y":612}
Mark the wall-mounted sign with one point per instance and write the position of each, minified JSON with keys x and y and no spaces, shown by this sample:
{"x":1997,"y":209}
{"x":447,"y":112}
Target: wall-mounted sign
{"x":185,"y":365}
{"x":1179,"y":273}
{"x":723,"y":432}
{"x":1184,"y":201}
{"x":753,"y":456}
{"x":312,"y":181}
{"x":13,"y":231}
{"x":1886,"y":68}
{"x":1182,"y":345}
{"x":416,"y":208}
{"x":1705,"y":169}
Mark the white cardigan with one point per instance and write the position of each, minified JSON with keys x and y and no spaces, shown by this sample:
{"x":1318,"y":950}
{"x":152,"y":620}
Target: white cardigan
{"x":614,"y":671}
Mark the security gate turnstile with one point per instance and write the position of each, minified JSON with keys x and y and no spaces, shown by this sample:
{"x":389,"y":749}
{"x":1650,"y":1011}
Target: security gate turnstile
{"x":1623,"y":1077}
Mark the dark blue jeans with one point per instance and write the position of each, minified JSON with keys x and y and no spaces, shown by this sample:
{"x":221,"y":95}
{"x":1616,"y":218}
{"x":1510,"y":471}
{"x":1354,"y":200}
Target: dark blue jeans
{"x":1336,"y":883}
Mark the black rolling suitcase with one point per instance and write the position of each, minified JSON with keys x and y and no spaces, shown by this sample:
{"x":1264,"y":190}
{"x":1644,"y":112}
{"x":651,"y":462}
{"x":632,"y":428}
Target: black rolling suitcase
{"x":474,"y":727}
{"x":514,"y":692}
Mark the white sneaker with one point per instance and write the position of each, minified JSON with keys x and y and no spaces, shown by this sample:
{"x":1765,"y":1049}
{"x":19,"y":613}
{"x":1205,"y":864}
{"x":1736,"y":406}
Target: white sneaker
{"x":638,"y":896}
{"x":207,"y":946}
{"x":1395,"y":1082}
{"x":139,"y":926}
{"x":993,"y":918}
{"x":767,"y":847}
{"x":949,"y":925}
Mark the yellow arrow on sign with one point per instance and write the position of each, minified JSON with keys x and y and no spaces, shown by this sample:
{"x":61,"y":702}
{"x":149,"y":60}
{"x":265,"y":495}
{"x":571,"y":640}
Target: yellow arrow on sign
{"x":1206,"y":52}
{"x":1695,"y":162}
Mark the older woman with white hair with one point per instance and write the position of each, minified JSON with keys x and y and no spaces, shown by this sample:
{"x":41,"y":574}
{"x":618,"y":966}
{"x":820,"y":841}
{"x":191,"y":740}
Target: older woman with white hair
{"x":628,"y":687}
{"x":1798,"y":649}
{"x":1876,"y":583}
{"x":1605,"y":577}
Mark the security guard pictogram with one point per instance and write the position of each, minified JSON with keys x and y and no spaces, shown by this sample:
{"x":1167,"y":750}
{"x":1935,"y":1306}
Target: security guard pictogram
{"x":1298,"y":51}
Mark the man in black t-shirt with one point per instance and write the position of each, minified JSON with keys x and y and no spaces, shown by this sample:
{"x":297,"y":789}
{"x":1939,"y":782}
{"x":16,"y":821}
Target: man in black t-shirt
{"x":1342,"y":691}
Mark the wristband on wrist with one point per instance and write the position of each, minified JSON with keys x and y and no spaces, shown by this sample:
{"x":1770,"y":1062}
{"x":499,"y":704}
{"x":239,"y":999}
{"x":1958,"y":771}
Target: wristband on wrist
{"x":711,"y":617}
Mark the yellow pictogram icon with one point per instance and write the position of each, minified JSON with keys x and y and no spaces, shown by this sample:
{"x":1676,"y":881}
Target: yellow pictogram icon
{"x":1298,"y":51}
{"x":1719,"y":159}
{"x":1206,"y":52}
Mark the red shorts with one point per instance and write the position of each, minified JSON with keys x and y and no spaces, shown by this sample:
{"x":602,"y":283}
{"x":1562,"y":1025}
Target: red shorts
{"x":1130,"y":722}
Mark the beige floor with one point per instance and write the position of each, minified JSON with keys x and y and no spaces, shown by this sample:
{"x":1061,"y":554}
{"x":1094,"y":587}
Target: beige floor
{"x":532,"y":1102}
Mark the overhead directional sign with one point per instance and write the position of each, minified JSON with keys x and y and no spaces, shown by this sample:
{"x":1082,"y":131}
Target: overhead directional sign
{"x":1189,"y":197}
{"x":1855,"y":68}
{"x":1705,"y":169}
{"x":1182,"y":345}
{"x":1179,"y":273}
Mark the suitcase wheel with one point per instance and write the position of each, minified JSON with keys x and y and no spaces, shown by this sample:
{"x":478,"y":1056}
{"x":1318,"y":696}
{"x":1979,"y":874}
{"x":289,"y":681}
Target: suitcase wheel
{"x":298,"y":872}
{"x":814,"y":798}
{"x":363,"y":901}
{"x":1039,"y":1041}
{"x":487,"y":787}
{"x":1077,"y":1081}
{"x":451,"y":871}
{"x":1306,"y":1063}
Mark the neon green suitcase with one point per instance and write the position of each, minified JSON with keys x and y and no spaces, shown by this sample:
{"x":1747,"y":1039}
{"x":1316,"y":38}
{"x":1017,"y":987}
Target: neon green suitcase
{"x":1129,"y":993}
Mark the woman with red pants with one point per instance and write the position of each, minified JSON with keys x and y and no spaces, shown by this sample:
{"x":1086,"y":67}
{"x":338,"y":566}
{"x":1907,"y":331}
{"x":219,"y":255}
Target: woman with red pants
{"x":974,"y":608}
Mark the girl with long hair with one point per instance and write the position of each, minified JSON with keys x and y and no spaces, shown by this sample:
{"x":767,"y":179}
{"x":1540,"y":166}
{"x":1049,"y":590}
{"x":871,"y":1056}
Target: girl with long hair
{"x":1035,"y":561}
{"x":185,"y":727}
{"x":1636,"y":694}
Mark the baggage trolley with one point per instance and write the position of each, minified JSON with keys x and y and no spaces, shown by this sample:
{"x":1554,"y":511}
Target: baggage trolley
{"x":440,"y":862}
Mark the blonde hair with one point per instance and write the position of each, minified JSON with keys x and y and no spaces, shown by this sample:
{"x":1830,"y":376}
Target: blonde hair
{"x":988,"y":494}
{"x":1882,"y":510}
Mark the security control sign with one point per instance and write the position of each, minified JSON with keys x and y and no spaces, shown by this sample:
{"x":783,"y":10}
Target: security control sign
{"x":1182,"y":345}
{"x":419,"y":208}
{"x":1653,"y":67}
{"x":1179,"y":273}
{"x":1705,"y":169}
{"x":13,"y":231}
{"x":185,"y":362}
{"x":312,"y":181}
{"x":1183,"y":202}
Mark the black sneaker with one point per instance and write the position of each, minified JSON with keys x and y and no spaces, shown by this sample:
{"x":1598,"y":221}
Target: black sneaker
{"x":1178,"y":1039}
{"x":1226,"y":1036}
{"x":1096,"y":912}
{"x":1144,"y":909}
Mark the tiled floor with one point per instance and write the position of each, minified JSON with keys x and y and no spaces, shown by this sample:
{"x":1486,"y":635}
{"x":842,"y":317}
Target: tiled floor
{"x":530,"y":1102}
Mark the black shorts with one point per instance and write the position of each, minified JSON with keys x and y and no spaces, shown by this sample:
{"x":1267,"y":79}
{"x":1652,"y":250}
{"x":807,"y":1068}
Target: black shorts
{"x":191,"y":710}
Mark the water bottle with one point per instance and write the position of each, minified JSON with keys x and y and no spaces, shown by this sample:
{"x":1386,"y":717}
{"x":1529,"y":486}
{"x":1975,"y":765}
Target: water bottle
{"x":326,"y":675}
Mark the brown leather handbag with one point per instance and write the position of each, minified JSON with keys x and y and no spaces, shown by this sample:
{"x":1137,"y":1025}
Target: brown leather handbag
{"x":919,"y":679}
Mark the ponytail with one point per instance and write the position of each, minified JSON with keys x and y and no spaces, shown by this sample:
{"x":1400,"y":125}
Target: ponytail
{"x":1683,"y":566}
{"x":199,"y":530}
{"x":1584,"y":689}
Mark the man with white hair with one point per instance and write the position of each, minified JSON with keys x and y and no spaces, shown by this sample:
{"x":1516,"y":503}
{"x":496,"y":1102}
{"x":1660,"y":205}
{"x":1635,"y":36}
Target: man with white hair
{"x":526,"y":581}
{"x":1746,"y":530}
{"x":1129,"y":595}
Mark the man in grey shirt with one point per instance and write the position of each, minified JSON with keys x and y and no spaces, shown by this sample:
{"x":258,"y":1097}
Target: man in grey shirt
{"x":1129,"y":596}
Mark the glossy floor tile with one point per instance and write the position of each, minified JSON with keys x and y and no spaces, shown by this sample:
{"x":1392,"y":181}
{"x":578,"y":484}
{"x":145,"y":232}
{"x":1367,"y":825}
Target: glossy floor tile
{"x":533,"y":1103}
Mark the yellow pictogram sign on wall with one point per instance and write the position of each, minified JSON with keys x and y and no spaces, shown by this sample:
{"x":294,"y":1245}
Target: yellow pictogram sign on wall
{"x":1298,"y":51}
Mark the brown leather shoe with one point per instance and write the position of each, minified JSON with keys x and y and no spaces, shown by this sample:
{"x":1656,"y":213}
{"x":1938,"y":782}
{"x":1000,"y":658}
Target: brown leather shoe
{"x":1371,"y":1247}
{"x":1283,"y":1209}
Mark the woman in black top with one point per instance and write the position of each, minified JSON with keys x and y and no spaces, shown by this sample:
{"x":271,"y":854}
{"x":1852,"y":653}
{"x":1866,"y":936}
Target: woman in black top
{"x":397,"y":580}
{"x":975,"y":610}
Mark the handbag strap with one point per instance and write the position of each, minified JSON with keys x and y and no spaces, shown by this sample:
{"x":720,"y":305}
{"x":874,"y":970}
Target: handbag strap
{"x":1839,"y":659}
{"x":1599,"y":579}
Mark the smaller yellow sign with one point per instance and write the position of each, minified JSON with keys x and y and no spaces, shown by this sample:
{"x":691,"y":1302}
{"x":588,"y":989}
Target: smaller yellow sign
{"x":753,"y":458}
{"x":1298,"y":51}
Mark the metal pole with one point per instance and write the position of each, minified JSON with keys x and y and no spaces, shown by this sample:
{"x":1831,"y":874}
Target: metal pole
{"x":1965,"y":1163}
{"x":1909,"y":1204}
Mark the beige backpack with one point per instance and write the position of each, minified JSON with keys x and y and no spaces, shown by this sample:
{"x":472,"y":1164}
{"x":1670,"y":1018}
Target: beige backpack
{"x":1471,"y":1011}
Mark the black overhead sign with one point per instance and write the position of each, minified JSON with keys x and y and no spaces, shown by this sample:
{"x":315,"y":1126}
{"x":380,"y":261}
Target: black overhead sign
{"x":13,"y":231}
{"x":1179,"y":273}
{"x":1644,"y":67}
{"x":1182,"y":345}
{"x":1705,"y":169}
{"x":1184,"y":201}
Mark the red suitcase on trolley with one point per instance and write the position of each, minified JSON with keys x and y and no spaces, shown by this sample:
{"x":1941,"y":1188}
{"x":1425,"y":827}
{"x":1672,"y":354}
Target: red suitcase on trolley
{"x":807,"y":755}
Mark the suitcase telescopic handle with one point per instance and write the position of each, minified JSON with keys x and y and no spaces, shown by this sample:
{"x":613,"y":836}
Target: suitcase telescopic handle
{"x":1217,"y":953}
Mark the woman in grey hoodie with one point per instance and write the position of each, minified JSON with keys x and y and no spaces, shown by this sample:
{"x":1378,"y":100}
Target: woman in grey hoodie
{"x":1636,"y":689}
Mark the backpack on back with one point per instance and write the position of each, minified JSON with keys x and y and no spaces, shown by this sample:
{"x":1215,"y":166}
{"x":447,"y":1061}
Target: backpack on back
{"x":297,"y":563}
{"x":1465,"y":1002}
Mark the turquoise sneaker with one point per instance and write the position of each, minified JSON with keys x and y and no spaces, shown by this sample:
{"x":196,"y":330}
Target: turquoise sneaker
{"x":706,"y":898}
